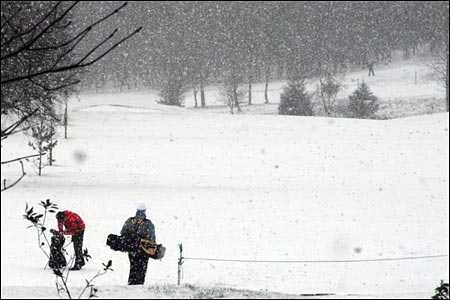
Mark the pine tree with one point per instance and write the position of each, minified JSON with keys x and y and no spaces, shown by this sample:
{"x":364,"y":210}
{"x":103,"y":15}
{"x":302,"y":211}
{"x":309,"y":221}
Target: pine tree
{"x":362,"y":103}
{"x":294,"y":100}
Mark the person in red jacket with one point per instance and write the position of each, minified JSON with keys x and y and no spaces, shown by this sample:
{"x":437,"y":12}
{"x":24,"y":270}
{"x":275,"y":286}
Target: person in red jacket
{"x":73,"y":226}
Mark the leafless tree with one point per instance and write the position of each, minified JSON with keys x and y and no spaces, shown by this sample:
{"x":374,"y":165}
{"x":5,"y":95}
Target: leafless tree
{"x":440,"y":64}
{"x":40,"y":56}
{"x":328,"y":89}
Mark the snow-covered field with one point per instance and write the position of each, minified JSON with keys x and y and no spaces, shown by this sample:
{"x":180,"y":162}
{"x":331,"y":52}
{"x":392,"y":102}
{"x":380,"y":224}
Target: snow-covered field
{"x":250,"y":187}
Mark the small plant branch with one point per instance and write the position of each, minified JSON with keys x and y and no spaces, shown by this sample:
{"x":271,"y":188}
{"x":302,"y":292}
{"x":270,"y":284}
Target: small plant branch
{"x":39,"y":224}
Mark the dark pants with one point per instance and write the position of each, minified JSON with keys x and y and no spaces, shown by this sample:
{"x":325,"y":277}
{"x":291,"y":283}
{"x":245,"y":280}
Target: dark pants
{"x":138,"y":268}
{"x":77,"y":240}
{"x":371,"y":72}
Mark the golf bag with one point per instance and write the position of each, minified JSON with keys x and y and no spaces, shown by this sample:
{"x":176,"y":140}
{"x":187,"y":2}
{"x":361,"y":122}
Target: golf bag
{"x":134,"y":243}
{"x":57,"y":259}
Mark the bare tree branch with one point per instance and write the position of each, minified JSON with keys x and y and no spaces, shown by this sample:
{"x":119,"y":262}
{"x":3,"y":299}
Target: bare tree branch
{"x":69,"y":50}
{"x":16,"y":31}
{"x":71,"y":66}
{"x":98,"y":46}
{"x":83,"y":32}
{"x":55,"y":88}
{"x":66,"y":43}
{"x":10,"y":129}
{"x":12,"y":16}
{"x":54,"y":68}
{"x":17,"y":131}
{"x":32,"y":28}
{"x":112,"y":47}
{"x":32,"y":41}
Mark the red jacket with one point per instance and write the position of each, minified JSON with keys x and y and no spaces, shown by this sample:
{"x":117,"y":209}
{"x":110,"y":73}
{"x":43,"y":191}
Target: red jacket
{"x":72,"y":222}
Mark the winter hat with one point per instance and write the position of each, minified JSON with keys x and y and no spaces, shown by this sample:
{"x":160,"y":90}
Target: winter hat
{"x":60,"y":216}
{"x":141,"y":207}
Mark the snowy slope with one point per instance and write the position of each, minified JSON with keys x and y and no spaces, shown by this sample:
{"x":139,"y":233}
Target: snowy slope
{"x":241,"y":187}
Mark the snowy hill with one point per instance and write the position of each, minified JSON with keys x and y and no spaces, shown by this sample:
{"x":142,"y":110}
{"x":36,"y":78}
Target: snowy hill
{"x":248,"y":187}
{"x":241,"y":187}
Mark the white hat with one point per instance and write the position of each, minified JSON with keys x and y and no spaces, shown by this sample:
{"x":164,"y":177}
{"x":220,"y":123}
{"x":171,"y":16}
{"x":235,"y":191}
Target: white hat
{"x":141,"y":206}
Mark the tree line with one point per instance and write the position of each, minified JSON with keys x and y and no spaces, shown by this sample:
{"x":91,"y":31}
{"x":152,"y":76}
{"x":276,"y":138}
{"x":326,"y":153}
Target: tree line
{"x":188,"y":45}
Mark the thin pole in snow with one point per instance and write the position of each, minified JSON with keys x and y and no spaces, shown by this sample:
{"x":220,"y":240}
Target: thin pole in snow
{"x":180,"y":262}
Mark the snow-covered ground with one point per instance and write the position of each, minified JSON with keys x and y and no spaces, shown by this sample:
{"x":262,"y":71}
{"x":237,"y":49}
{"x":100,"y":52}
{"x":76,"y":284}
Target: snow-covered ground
{"x":244,"y":187}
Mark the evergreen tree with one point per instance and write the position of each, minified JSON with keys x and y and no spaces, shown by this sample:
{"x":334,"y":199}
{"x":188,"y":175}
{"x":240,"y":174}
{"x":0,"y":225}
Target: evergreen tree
{"x":362,"y":103}
{"x":294,"y":100}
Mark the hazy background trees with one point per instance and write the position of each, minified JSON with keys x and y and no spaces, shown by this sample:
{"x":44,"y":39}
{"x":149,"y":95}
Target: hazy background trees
{"x":188,"y":45}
